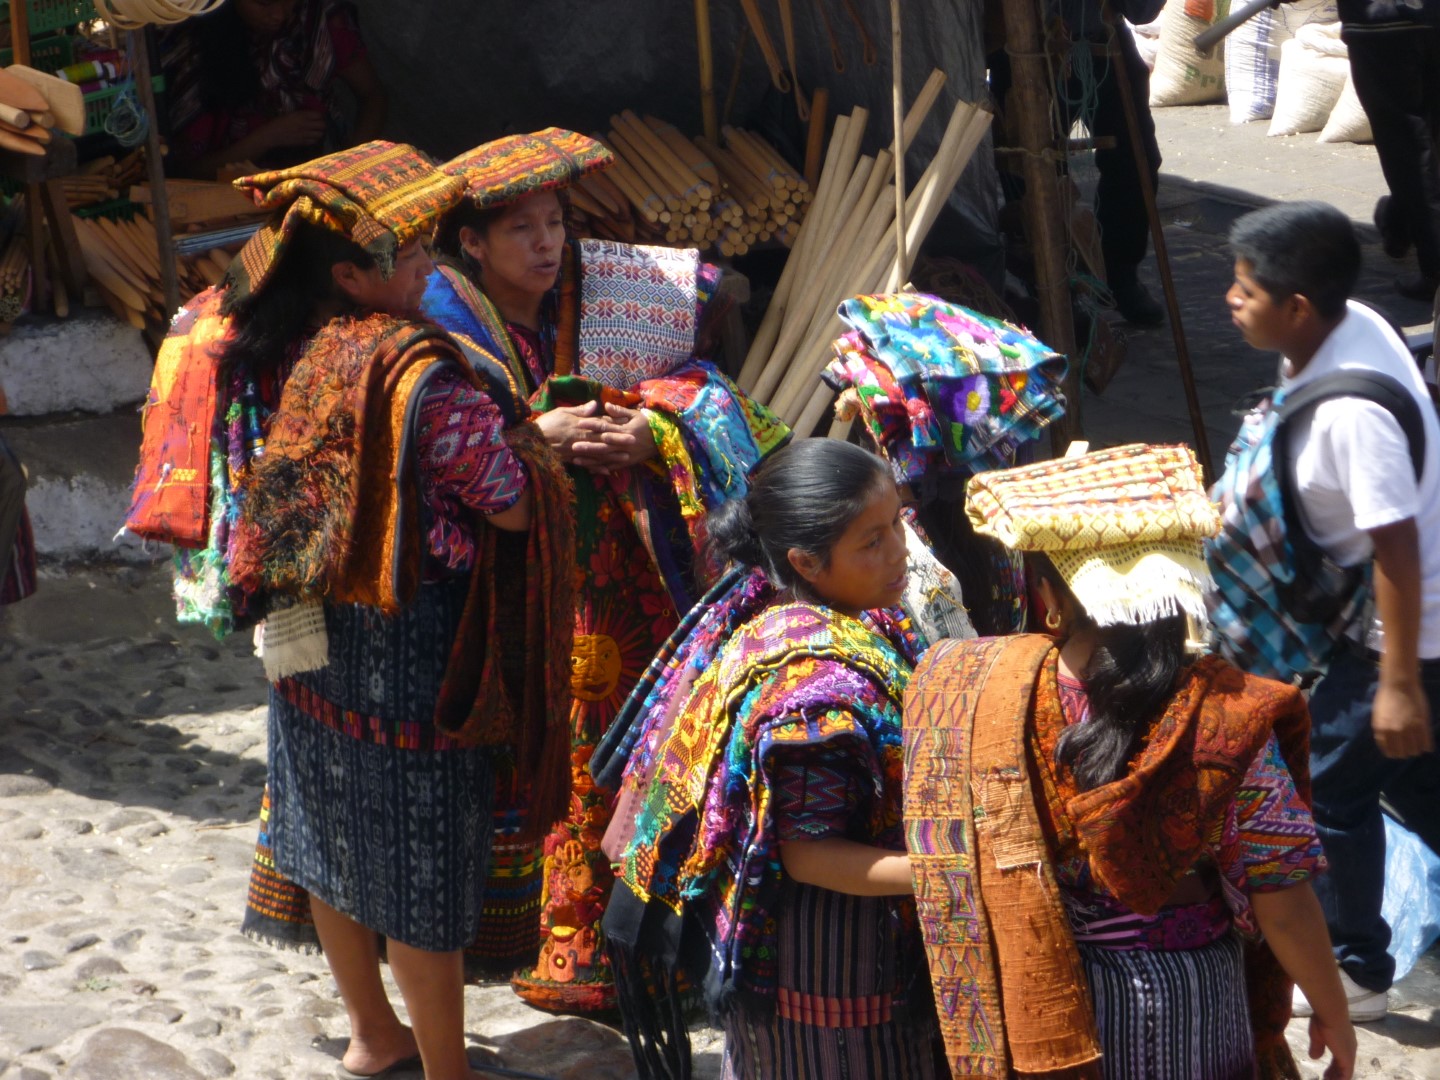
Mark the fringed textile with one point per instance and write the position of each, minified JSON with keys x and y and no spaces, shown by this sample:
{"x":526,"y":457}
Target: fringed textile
{"x":1007,"y":977}
{"x":1139,"y":834}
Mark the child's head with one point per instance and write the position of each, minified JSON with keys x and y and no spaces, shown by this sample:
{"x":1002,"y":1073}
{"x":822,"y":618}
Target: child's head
{"x":822,"y":519}
{"x":1291,"y":258}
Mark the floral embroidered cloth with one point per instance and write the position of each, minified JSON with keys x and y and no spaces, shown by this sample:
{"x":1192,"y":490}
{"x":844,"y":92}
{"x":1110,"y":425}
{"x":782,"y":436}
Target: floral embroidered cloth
{"x":941,"y":386}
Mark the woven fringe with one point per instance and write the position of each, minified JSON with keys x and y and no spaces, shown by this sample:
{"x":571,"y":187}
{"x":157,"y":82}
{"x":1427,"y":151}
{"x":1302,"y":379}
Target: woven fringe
{"x":293,"y":641}
{"x":275,"y":941}
{"x":1155,"y":585}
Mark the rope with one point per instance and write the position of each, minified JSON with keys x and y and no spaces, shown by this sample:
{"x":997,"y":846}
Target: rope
{"x":127,"y":122}
{"x":135,"y":14}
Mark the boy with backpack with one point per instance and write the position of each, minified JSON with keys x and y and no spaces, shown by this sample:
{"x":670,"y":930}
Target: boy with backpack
{"x":1328,"y":560}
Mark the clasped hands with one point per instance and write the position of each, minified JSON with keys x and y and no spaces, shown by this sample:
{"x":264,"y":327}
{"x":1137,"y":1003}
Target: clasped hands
{"x":601,"y":440}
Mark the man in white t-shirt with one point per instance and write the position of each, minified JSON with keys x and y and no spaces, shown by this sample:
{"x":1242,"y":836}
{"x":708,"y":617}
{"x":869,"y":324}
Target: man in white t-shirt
{"x":1373,"y":711}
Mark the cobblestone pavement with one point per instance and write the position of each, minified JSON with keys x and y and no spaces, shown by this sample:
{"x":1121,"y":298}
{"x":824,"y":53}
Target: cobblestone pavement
{"x":132,"y":756}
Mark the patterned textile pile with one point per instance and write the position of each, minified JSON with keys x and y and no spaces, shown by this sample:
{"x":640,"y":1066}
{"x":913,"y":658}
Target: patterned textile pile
{"x":507,"y":169}
{"x":638,"y":318}
{"x":380,"y":195}
{"x":941,"y":387}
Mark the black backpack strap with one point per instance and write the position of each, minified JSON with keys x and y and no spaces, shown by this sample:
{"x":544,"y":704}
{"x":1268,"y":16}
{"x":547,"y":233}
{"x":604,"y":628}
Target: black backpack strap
{"x":1383,"y":390}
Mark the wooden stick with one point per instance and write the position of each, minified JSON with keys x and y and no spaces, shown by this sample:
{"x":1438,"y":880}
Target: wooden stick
{"x":683,"y":148}
{"x":650,"y":181}
{"x":787,"y":32}
{"x":756,"y":20}
{"x":897,"y":96}
{"x":920,"y":108}
{"x":661,"y":156}
{"x":835,"y":174}
{"x":706,"y":50}
{"x":815,"y":135}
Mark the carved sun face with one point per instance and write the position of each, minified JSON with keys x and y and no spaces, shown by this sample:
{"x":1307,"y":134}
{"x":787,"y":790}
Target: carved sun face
{"x":595,"y":667}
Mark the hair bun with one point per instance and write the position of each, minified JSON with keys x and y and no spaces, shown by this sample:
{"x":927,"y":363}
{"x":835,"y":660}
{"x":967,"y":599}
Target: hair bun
{"x":731,"y":534}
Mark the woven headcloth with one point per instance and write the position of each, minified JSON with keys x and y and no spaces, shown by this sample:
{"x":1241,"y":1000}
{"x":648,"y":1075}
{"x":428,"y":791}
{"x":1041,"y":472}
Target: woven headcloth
{"x":1124,"y":527}
{"x":508,"y":169}
{"x":381,"y":195}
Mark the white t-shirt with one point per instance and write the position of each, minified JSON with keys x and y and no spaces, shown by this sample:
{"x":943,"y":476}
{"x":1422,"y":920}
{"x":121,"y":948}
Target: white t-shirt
{"x":1352,"y":460}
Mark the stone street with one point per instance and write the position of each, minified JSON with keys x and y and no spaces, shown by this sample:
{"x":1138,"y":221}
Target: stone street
{"x":132,"y":756}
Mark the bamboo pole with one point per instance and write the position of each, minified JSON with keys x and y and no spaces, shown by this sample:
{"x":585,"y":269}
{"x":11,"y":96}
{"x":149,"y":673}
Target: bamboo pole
{"x":706,"y":49}
{"x":815,"y":135}
{"x":897,"y":94}
{"x":769,"y":329}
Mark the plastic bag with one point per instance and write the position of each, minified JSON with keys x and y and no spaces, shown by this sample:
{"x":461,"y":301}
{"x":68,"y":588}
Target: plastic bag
{"x":1412,"y":896}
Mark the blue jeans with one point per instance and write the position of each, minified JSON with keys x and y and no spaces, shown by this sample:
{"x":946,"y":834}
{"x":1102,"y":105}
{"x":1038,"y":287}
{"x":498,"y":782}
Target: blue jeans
{"x":1349,"y":774}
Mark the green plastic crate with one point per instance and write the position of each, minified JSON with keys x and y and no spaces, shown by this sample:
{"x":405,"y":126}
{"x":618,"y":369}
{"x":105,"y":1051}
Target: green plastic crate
{"x":47,"y":15}
{"x":46,"y":54}
{"x":98,"y":104}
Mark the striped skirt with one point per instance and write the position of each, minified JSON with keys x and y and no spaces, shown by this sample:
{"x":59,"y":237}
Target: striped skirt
{"x":1172,"y":1015}
{"x":842,"y":961}
{"x":373,"y":809}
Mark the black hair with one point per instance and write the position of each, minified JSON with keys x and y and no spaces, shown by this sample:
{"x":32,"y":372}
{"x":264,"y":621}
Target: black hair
{"x":803,"y":496}
{"x":464,"y":215}
{"x":1129,"y":681}
{"x":267,"y":324}
{"x":227,"y":74}
{"x":1305,"y":248}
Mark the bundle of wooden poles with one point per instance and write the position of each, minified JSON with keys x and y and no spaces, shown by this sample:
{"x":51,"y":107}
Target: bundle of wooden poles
{"x":123,"y":259}
{"x":669,"y":189}
{"x":103,"y":179}
{"x":847,"y":247}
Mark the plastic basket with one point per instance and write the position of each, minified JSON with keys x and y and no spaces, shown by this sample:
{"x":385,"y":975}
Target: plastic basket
{"x":98,"y":104}
{"x":47,"y":15}
{"x":46,"y":54}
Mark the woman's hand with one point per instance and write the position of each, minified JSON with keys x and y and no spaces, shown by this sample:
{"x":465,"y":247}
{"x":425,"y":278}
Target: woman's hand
{"x":303,"y":127}
{"x":1341,"y":1044}
{"x":618,"y":439}
{"x":562,"y":427}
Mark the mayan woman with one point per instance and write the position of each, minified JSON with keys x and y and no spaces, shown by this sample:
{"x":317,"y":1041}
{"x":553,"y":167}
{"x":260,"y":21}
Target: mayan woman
{"x":603,"y":338}
{"x":1121,"y":888}
{"x":765,"y":860}
{"x":404,"y":530}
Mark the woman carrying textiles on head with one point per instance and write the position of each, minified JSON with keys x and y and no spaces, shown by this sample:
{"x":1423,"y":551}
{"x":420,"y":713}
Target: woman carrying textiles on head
{"x":406,"y":533}
{"x":766,"y":862}
{"x":1121,"y":888}
{"x":603,"y":338}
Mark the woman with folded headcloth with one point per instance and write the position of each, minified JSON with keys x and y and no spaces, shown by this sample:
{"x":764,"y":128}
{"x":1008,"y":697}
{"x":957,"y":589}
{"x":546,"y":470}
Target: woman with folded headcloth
{"x":257,"y":81}
{"x":605,"y":339}
{"x":1120,"y":886}
{"x":405,"y":530}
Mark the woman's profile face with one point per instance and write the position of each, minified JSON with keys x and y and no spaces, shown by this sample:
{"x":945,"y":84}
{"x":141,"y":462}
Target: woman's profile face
{"x":520,"y":250}
{"x":265,"y":18}
{"x":866,"y":567}
{"x":400,"y":293}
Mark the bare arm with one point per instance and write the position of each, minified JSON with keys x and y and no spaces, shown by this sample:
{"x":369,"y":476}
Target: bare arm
{"x":1294,"y":927}
{"x":373,"y":104}
{"x":1401,"y":714}
{"x":846,"y":866}
{"x":516,"y":517}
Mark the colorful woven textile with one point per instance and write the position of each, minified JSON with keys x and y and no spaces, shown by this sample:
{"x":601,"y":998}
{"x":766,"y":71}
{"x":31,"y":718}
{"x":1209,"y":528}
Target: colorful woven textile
{"x":172,"y":480}
{"x":940,"y":386}
{"x":512,"y":167}
{"x":795,"y":676}
{"x":986,"y":894}
{"x":381,"y":195}
{"x":639,"y":533}
{"x":1123,"y":526}
{"x":1250,"y":556}
{"x":637,"y":310}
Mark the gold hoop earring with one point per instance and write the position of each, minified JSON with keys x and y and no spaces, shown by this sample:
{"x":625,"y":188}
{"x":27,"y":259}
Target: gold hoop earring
{"x":1052,"y":620}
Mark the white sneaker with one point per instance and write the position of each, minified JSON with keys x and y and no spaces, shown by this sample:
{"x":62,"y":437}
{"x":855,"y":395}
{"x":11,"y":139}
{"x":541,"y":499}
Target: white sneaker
{"x":1365,"y":1005}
